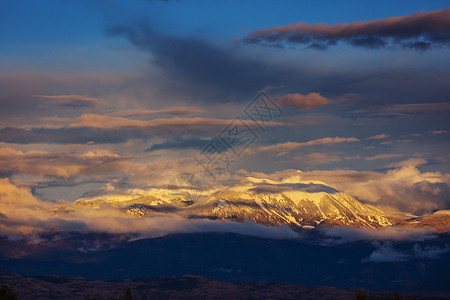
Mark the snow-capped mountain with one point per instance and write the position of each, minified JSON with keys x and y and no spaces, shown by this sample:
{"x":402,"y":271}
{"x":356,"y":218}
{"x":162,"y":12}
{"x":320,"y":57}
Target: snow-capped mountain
{"x":294,"y":204}
{"x":290,"y":201}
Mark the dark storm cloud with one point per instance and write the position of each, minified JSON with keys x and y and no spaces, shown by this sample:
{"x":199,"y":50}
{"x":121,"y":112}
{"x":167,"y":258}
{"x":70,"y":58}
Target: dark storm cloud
{"x":419,"y":31}
{"x":217,"y":73}
{"x":203,"y":63}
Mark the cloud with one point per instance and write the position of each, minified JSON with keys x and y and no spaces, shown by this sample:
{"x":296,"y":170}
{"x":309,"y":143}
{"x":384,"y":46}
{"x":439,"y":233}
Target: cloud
{"x":291,"y":184}
{"x":437,"y":132}
{"x":314,"y":159}
{"x":179,"y":110}
{"x":341,"y":235}
{"x":378,"y":136}
{"x":111,"y":129}
{"x":416,"y":162}
{"x":386,"y":253}
{"x":24,"y":214}
{"x":419,"y":31}
{"x":384,"y":156}
{"x":109,"y":122}
{"x":201,"y":64}
{"x":415,"y":108}
{"x":402,"y":109}
{"x":300,"y":101}
{"x":75,"y":101}
{"x":43,"y":169}
{"x":289,"y":146}
{"x":181,"y":144}
{"x":67,"y":135}
{"x":430,"y":252}
{"x":64,"y":165}
{"x":160,"y":172}
{"x":404,"y":188}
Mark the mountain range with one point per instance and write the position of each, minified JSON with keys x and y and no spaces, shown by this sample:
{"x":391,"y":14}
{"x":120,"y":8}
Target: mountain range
{"x":291,"y":201}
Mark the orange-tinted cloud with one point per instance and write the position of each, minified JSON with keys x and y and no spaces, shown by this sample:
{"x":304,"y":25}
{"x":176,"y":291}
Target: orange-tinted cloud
{"x":378,"y":136}
{"x":289,"y":146}
{"x":108,"y":122}
{"x":112,"y":129}
{"x":49,"y":164}
{"x":436,"y":132}
{"x":384,"y":156}
{"x":300,"y":101}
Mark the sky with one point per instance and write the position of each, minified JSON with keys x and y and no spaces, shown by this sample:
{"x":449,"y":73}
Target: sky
{"x":352,"y":93}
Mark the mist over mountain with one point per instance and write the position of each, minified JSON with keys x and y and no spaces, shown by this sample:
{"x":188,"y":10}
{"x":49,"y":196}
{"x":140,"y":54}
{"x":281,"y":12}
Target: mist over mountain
{"x":291,"y":201}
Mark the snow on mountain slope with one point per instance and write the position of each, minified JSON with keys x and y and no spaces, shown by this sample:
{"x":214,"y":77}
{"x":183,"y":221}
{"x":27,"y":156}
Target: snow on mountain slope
{"x":296,"y":204}
{"x":290,"y":201}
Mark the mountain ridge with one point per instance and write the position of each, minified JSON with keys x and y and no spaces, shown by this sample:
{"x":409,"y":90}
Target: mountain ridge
{"x":290,"y":201}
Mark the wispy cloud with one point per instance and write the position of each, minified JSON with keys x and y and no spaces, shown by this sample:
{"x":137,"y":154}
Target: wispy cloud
{"x":384,"y":156}
{"x":436,"y":132}
{"x":386,"y":253}
{"x":65,"y":165}
{"x":300,"y":101}
{"x":75,"y":101}
{"x":289,"y":146}
{"x":180,"y":144}
{"x":378,"y":136}
{"x":430,"y":252}
{"x":402,"y":109}
{"x":108,"y":122}
{"x":316,"y":158}
{"x":112,"y":129}
{"x":341,"y":235}
{"x":179,"y":110}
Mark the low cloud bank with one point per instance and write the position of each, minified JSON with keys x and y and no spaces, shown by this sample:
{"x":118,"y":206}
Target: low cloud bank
{"x":24,"y":214}
{"x":341,"y":235}
{"x":387,"y":253}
